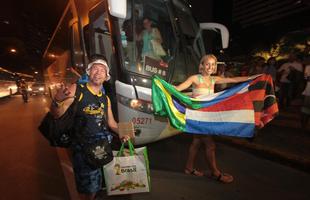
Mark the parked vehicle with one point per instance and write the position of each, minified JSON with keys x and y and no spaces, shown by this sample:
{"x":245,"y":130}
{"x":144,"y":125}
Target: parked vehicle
{"x":37,"y":88}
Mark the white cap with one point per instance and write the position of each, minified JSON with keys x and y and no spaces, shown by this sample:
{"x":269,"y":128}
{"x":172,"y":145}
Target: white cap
{"x":99,"y":61}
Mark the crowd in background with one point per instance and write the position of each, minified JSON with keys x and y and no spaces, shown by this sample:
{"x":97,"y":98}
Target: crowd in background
{"x":290,"y":77}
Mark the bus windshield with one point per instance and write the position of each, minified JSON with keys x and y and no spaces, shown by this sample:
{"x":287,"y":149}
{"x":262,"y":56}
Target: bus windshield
{"x":147,"y":38}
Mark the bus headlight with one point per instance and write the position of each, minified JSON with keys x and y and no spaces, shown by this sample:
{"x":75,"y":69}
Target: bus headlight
{"x":136,"y":104}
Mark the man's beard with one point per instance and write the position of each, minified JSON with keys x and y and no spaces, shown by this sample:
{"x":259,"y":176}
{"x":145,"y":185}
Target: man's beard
{"x":96,"y":82}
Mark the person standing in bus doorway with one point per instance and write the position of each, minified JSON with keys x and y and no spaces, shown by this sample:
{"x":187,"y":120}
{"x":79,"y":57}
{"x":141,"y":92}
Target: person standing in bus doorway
{"x":89,"y":124}
{"x":203,"y":83}
{"x":152,"y":41}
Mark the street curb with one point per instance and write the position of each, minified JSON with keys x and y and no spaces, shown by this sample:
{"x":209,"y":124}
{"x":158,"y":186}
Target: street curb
{"x":269,"y":153}
{"x":5,"y":97}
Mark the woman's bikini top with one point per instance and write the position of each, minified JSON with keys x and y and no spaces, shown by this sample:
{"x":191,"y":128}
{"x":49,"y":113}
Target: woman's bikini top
{"x":202,"y":88}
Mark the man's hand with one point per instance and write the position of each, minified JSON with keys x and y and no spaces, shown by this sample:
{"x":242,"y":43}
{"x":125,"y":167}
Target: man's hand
{"x":62,"y":93}
{"x":126,"y":131}
{"x":125,"y":138}
{"x":62,"y":100}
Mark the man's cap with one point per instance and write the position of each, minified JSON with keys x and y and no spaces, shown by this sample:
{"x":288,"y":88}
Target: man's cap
{"x":102,"y":62}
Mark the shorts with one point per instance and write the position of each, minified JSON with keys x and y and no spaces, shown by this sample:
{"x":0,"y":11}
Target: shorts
{"x":87,"y":179}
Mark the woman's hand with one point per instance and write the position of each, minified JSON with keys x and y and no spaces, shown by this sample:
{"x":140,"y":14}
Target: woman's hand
{"x":254,"y":76}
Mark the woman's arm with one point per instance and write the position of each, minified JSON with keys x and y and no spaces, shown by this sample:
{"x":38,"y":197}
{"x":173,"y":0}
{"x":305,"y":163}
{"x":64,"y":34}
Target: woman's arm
{"x":220,"y":80}
{"x":156,"y":35}
{"x":186,"y":84}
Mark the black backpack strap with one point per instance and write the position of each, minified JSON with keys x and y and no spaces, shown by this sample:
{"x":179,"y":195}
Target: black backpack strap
{"x":79,"y":92}
{"x":106,"y":111}
{"x":77,"y":97}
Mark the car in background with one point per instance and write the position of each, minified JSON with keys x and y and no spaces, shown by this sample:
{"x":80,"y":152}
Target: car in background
{"x":37,"y":88}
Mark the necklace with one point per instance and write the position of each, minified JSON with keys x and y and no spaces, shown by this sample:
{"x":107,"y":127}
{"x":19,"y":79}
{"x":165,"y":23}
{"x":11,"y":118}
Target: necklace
{"x":207,"y":81}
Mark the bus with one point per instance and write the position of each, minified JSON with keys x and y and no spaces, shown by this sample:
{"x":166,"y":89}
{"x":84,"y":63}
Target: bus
{"x":8,"y":84}
{"x":115,"y":29}
{"x":9,"y":81}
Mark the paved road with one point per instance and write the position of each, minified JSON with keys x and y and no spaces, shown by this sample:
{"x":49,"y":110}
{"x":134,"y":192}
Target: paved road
{"x":30,"y":169}
{"x":255,"y":178}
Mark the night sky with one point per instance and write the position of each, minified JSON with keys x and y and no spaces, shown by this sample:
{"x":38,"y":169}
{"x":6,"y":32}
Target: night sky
{"x":244,"y":39}
{"x":27,"y":26}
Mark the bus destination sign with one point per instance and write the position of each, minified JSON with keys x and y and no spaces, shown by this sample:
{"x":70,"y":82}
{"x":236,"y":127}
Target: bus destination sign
{"x":153,"y":66}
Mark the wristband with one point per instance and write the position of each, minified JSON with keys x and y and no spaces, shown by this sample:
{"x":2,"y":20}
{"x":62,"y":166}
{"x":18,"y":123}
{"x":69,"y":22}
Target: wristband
{"x":56,"y":103}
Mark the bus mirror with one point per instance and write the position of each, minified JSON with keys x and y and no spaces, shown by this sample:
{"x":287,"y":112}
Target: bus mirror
{"x":182,"y":6}
{"x":118,"y":8}
{"x":222,"y":29}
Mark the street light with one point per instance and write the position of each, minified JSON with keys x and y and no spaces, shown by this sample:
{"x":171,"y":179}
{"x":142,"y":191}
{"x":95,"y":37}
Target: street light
{"x":12,"y":50}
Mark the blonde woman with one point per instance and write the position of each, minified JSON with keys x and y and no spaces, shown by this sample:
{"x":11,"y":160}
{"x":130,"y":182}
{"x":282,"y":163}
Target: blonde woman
{"x":202,"y":84}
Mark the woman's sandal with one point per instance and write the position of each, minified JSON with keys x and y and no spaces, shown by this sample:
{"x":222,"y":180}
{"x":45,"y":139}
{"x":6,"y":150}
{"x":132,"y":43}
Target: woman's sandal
{"x":193,"y":172}
{"x":221,"y":177}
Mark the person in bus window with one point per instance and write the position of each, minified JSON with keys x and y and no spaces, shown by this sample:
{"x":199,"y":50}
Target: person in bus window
{"x":89,"y":123}
{"x":152,"y":41}
{"x":202,"y":84}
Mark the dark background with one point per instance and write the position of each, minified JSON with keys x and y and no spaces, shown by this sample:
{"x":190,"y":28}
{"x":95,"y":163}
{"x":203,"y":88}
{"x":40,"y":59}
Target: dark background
{"x":27,"y":25}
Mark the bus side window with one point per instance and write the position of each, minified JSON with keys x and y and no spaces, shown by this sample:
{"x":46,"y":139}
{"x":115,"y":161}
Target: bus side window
{"x":77,"y":53}
{"x":131,"y":41}
{"x":100,"y":42}
{"x":127,"y":42}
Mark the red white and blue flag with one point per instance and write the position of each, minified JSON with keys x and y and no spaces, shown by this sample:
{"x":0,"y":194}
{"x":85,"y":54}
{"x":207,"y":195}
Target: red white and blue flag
{"x":236,"y":111}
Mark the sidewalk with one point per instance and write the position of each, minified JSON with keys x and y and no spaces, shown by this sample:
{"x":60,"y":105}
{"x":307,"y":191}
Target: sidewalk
{"x":282,"y":140}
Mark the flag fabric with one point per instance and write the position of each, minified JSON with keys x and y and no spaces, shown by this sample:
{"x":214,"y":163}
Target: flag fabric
{"x":236,"y":111}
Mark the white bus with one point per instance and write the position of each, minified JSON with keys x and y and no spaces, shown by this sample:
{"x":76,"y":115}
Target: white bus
{"x":8,"y":84}
{"x":9,"y":81}
{"x":114,"y":28}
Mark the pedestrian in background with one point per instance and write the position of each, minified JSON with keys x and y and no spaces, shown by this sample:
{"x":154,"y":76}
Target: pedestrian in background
{"x":271,"y":68}
{"x":305,"y":109}
{"x":289,"y":80}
